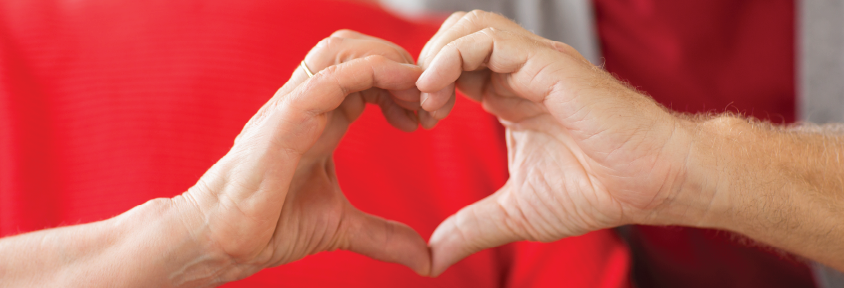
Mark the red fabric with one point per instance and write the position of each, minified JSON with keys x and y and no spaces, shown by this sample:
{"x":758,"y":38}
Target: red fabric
{"x":706,"y":56}
{"x":105,"y":104}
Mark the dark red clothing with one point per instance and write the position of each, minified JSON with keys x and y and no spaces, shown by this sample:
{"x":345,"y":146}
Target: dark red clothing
{"x":706,"y":56}
{"x":105,"y":104}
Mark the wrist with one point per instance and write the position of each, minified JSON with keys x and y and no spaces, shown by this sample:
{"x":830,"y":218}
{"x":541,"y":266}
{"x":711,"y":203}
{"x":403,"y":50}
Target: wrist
{"x":164,"y":241}
{"x":707,"y":175}
{"x":693,"y":188}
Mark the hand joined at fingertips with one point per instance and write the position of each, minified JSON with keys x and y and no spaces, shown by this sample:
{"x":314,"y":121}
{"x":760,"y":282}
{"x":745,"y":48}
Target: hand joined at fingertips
{"x":274,"y":198}
{"x":585,"y":152}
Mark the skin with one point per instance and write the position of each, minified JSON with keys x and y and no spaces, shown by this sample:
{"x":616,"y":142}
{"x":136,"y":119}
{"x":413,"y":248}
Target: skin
{"x":271,"y":200}
{"x":587,"y":152}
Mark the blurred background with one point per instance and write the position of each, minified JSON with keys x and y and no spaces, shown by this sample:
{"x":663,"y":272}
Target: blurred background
{"x":107,"y":104}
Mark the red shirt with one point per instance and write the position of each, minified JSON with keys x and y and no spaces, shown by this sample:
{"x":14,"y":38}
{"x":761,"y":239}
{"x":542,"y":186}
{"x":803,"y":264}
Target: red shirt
{"x":706,"y":56}
{"x":105,"y":104}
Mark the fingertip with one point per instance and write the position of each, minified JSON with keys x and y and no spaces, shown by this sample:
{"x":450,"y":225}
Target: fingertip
{"x":445,"y":248}
{"x":431,"y":81}
{"x":417,"y":255}
{"x":441,"y":113}
{"x":450,"y":21}
{"x":412,"y":120}
{"x":426,"y":120}
{"x":436,"y":100}
{"x":388,"y":241}
{"x":399,"y":117}
{"x":472,"y":229}
{"x":424,"y":268}
{"x":423,"y":83}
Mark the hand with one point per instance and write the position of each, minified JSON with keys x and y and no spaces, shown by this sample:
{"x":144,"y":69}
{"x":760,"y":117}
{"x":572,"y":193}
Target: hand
{"x":274,"y":198}
{"x":586,"y":152}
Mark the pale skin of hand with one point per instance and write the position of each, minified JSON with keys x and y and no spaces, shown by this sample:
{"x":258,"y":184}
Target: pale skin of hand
{"x":586,"y":152}
{"x":273,"y":199}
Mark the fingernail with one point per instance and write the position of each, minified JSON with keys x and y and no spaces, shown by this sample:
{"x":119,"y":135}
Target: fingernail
{"x":423,"y":97}
{"x":422,"y":78}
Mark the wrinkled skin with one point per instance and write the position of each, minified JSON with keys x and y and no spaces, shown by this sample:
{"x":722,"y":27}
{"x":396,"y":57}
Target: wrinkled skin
{"x":274,"y":198}
{"x":580,"y":159}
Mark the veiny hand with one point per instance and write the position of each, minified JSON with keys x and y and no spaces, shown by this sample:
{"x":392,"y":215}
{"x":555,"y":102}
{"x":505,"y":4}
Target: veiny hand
{"x":274,"y":198}
{"x":586,"y":152}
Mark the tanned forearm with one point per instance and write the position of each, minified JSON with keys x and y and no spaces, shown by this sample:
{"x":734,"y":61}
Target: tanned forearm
{"x":780,"y":185}
{"x":139,"y":248}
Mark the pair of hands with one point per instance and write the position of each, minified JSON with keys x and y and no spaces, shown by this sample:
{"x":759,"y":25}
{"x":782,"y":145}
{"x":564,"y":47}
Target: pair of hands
{"x":585,"y":151}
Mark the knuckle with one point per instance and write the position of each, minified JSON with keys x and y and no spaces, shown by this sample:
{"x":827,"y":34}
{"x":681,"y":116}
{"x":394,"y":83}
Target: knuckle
{"x":328,"y":45}
{"x":333,"y":41}
{"x":491,"y":31}
{"x":329,"y":76}
{"x":474,"y":17}
{"x":344,"y":33}
{"x":402,"y":54}
{"x":477,"y":14}
{"x":481,"y":15}
{"x":453,"y":44}
{"x":562,"y":47}
{"x":458,"y":14}
{"x":327,"y":72}
{"x":375,"y":58}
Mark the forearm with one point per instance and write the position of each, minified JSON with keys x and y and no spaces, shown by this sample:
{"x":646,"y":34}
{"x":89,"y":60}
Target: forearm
{"x":783,"y":186}
{"x":147,"y":246}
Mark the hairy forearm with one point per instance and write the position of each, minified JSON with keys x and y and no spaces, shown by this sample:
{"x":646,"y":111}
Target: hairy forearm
{"x":780,"y":185}
{"x":141,"y":247}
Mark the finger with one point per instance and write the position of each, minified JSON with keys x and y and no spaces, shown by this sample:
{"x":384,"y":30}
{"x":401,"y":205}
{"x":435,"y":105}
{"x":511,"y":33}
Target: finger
{"x":443,"y":28}
{"x":429,"y":119}
{"x":351,"y":34}
{"x":465,"y":54}
{"x":481,"y":225}
{"x":519,"y":57}
{"x":426,"y":120}
{"x":431,"y":101}
{"x":473,"y":83}
{"x":289,"y":125}
{"x":441,"y":113}
{"x":512,"y":109}
{"x":335,"y":50}
{"x":346,"y":45}
{"x":407,"y":99}
{"x":440,"y":97}
{"x":397,"y":116}
{"x":457,"y":25}
{"x":469,"y":23}
{"x":298,"y":118}
{"x":385,"y":240}
{"x":408,"y":95}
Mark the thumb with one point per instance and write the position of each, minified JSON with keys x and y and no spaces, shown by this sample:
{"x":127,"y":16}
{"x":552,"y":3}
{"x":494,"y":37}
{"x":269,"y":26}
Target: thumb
{"x":385,"y":240}
{"x":482,"y":225}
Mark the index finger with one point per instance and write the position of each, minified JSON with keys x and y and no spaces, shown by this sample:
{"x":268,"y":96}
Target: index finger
{"x":296,"y":120}
{"x":461,"y":24}
{"x":438,"y":103}
{"x":525,"y":65}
